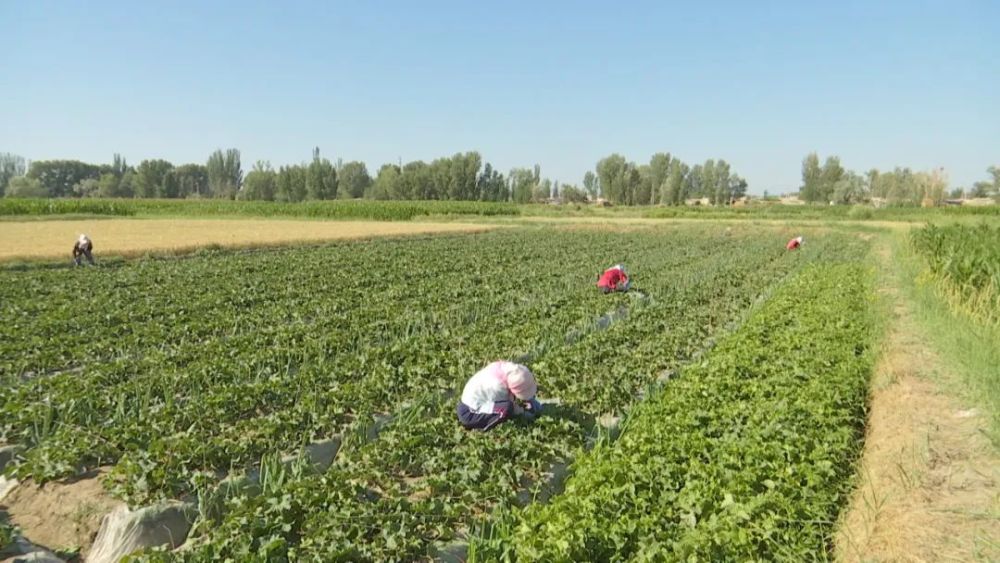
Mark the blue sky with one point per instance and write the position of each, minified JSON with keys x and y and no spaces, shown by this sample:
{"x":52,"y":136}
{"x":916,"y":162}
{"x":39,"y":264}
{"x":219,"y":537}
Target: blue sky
{"x":760,"y":84}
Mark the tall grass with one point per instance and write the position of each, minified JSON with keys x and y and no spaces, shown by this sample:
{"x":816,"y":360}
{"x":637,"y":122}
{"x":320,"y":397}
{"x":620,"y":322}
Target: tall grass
{"x":850,"y":213}
{"x":965,"y":260}
{"x":970,"y":347}
{"x":354,"y":209}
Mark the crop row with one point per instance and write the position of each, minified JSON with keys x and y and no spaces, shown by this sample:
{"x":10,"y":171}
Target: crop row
{"x":746,"y":457}
{"x":967,"y":260}
{"x":424,"y":480}
{"x":178,"y":370}
{"x":167,"y":376}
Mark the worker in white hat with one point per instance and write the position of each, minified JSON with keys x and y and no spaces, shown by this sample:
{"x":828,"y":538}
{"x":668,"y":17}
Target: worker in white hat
{"x":496,"y":393}
{"x":83,"y":248}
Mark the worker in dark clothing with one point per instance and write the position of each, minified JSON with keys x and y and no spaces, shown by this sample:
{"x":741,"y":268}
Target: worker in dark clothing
{"x":83,"y":248}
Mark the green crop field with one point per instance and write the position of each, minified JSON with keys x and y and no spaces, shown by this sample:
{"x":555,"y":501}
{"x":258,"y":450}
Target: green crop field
{"x":206,"y":378}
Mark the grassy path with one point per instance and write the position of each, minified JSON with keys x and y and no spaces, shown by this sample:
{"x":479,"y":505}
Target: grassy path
{"x":929,"y":484}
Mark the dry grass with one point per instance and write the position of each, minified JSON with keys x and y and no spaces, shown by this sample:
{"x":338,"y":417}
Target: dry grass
{"x":131,"y":237}
{"x":929,"y":487}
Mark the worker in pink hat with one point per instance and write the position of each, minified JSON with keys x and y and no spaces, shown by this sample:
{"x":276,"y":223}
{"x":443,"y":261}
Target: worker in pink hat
{"x":496,"y":393}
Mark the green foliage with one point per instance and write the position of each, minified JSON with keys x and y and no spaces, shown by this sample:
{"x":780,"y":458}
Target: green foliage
{"x":58,"y":177}
{"x":225,"y":175}
{"x":354,"y":180}
{"x":666,"y":180}
{"x":967,"y":260}
{"x":11,"y":166}
{"x":26,"y":187}
{"x":191,"y":180}
{"x":177,"y":387}
{"x":321,"y":178}
{"x":151,"y":179}
{"x":7,"y":532}
{"x":376,"y":210}
{"x":260,"y":184}
{"x":746,"y":457}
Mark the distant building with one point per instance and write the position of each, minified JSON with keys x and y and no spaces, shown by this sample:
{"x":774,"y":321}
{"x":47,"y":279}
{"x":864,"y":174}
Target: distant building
{"x":979,"y":201}
{"x":791,"y":200}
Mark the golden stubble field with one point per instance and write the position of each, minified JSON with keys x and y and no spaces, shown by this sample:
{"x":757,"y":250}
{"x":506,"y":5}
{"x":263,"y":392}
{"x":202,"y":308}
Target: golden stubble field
{"x":131,"y":237}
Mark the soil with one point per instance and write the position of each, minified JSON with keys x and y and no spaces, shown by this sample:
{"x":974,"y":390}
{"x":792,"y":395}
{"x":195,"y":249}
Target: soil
{"x":60,"y":514}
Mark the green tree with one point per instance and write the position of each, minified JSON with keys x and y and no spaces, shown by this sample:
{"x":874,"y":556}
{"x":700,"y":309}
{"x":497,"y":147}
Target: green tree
{"x":619,"y":179}
{"x":416,"y":181}
{"x":491,"y":185}
{"x":192,"y":180}
{"x":572,"y":194}
{"x":659,"y":169}
{"x":644,"y":190}
{"x":260,"y":183}
{"x":988,"y":188}
{"x":542,"y":191}
{"x":87,"y":188}
{"x":811,"y":178}
{"x":850,"y":189}
{"x":291,"y":183}
{"x":353,"y":179}
{"x":708,"y":181}
{"x":321,"y":178}
{"x":675,"y":183}
{"x":118,"y":165}
{"x":26,"y":186}
{"x":11,"y":166}
{"x":463,"y":176}
{"x":385,"y":184}
{"x":108,"y":184}
{"x":522,"y":184}
{"x":831,"y":174}
{"x":150,"y":178}
{"x":225,"y":174}
{"x":738,"y":187}
{"x":693,"y":181}
{"x":59,"y":176}
{"x":591,"y":184}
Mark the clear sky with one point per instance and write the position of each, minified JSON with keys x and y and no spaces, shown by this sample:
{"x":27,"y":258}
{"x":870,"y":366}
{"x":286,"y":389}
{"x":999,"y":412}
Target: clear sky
{"x":758,"y":83}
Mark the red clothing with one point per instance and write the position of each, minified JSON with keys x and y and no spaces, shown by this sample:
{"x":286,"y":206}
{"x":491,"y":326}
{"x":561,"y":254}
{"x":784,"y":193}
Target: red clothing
{"x":611,"y":278}
{"x":792,"y":244}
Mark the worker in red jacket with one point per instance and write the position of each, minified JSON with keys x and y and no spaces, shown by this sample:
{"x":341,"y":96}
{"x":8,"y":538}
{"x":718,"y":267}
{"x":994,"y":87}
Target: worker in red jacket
{"x":613,"y":279}
{"x":794,"y":244}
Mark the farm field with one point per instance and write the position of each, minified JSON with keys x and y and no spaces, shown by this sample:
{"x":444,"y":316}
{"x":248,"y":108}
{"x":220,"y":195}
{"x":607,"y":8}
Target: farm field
{"x":300,"y":401}
{"x":133,"y":237}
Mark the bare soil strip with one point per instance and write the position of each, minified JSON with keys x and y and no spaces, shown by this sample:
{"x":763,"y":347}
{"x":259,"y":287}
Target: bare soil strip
{"x":61,"y":514}
{"x":130,"y":237}
{"x":929,"y":486}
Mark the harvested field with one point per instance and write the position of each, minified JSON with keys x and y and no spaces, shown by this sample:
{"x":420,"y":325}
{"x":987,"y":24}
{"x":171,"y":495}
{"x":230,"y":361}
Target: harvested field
{"x":129,"y":237}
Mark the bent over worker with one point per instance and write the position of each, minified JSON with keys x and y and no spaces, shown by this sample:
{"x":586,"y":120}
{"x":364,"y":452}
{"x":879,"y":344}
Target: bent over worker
{"x":83,"y":247}
{"x":496,"y":393}
{"x":794,"y":244}
{"x":613,"y":279}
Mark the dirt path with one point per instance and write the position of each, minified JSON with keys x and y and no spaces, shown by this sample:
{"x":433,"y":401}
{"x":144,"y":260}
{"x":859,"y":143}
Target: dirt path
{"x":54,"y":239}
{"x":930,"y":480}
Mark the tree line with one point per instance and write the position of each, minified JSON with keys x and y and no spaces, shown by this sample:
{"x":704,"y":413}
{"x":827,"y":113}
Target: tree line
{"x":665,"y":180}
{"x":832,"y":183}
{"x":463,"y":176}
